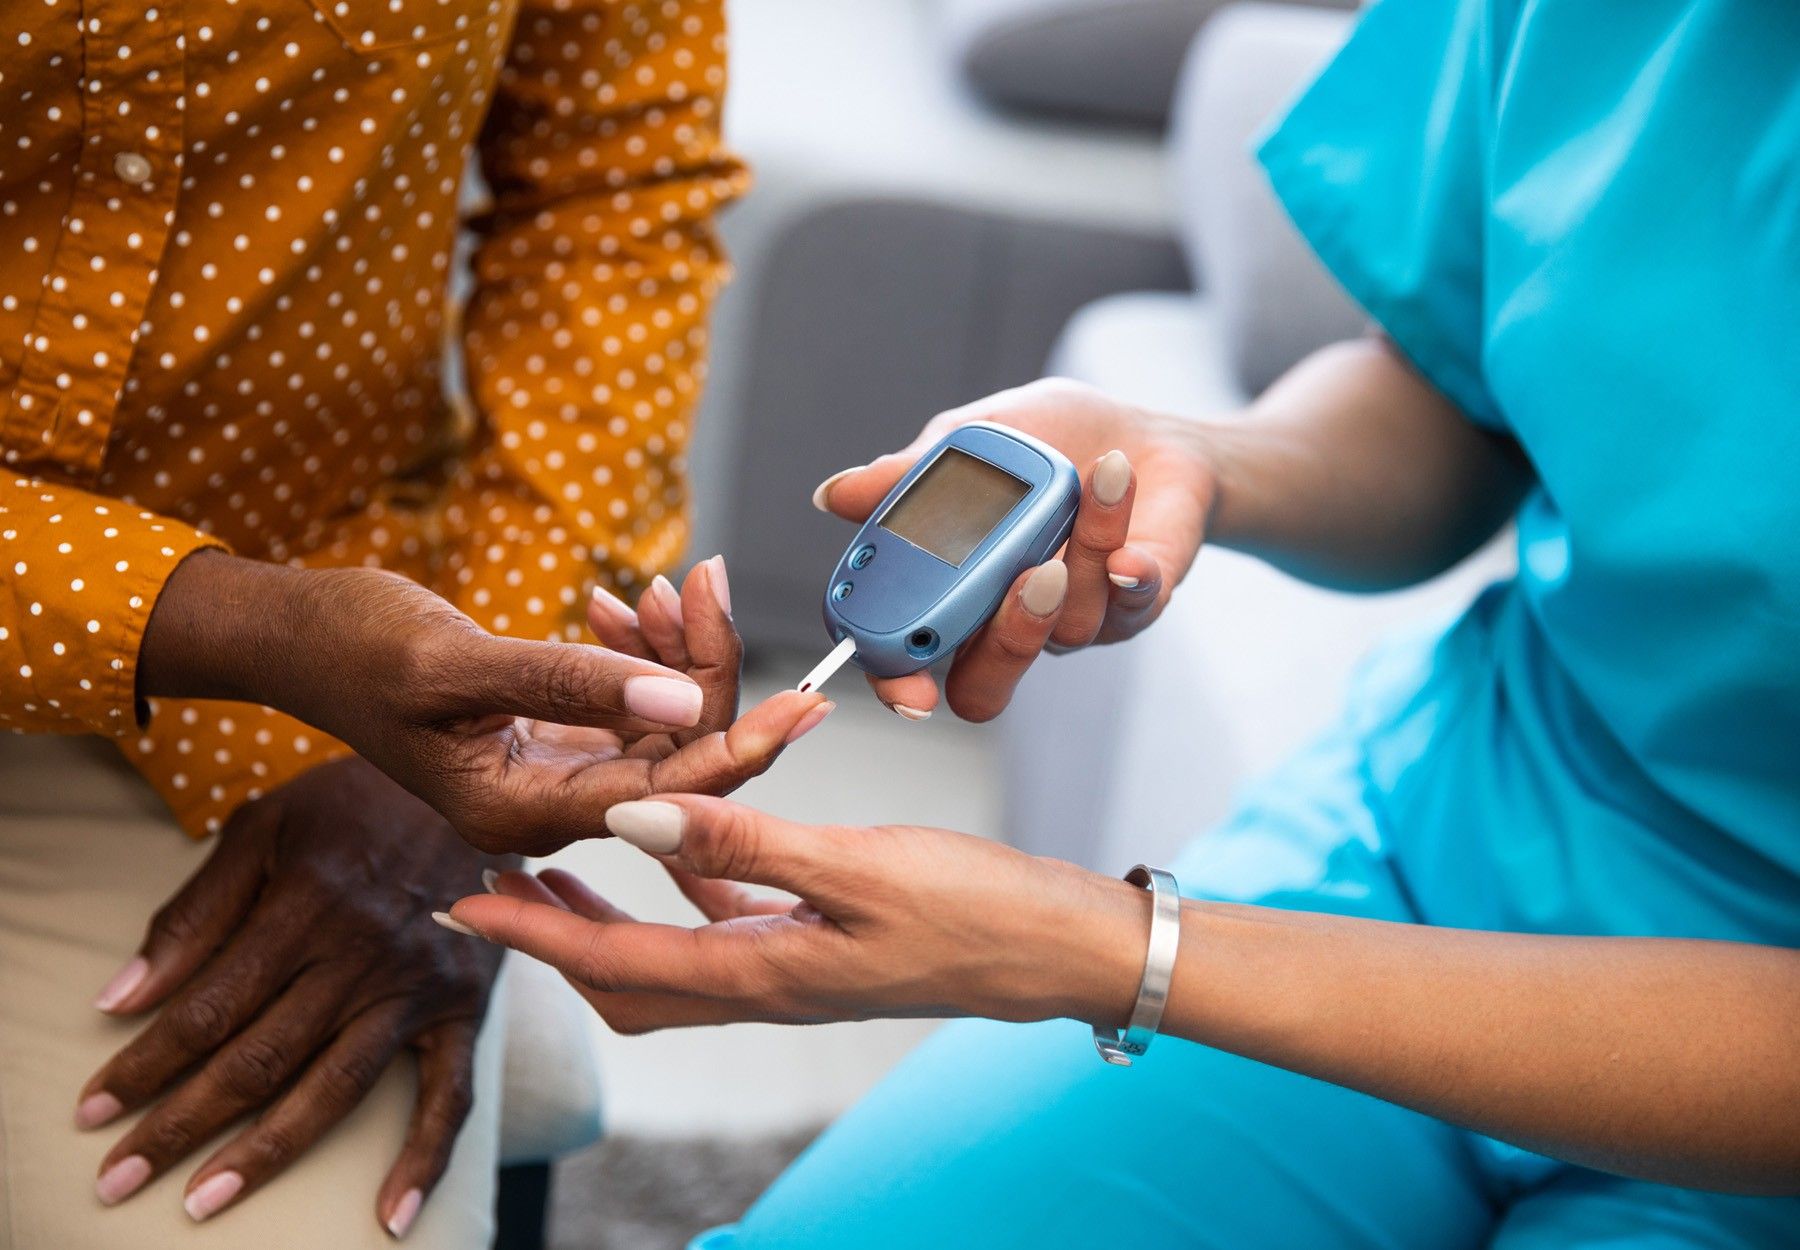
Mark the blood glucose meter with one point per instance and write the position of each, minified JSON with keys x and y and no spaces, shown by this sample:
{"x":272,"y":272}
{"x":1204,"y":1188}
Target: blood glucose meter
{"x":933,"y":562}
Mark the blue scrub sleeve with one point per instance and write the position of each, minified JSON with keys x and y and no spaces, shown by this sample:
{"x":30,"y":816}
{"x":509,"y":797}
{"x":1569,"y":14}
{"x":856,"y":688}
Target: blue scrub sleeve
{"x":1380,"y":164}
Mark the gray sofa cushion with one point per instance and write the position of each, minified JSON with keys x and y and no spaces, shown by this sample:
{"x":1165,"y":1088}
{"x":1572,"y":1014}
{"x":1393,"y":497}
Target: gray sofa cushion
{"x":1114,"y":60}
{"x":1110,"y":60}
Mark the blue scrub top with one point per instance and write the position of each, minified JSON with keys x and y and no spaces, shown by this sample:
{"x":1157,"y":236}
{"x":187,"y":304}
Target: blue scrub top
{"x":1581,"y":222}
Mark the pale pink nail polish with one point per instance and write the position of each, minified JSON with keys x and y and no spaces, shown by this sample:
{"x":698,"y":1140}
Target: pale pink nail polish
{"x":124,"y":981}
{"x":211,"y":1194}
{"x":122,"y":1179}
{"x":405,"y":1212}
{"x":613,"y":606}
{"x":808,"y":723}
{"x":721,"y":585}
{"x":97,"y":1109}
{"x":668,"y":596}
{"x":909,"y":713}
{"x":665,"y":700}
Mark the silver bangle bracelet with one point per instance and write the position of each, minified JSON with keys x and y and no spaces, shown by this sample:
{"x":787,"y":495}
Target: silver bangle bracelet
{"x":1159,"y":970}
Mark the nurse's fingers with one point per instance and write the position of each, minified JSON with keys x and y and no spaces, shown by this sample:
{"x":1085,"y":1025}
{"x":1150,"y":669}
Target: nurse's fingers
{"x":988,"y":668}
{"x":1136,"y":598}
{"x":912,"y":697}
{"x":1101,"y":527}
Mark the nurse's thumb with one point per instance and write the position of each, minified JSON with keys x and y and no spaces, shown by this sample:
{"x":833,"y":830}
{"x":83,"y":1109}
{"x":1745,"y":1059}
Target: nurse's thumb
{"x":727,"y":841}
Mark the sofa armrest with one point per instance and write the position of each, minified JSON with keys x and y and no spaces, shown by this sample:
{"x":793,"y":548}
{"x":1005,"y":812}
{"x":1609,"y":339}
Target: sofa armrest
{"x":1272,"y":301}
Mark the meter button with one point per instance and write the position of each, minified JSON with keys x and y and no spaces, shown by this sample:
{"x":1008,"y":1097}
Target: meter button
{"x":864,"y":554}
{"x":842,"y":590}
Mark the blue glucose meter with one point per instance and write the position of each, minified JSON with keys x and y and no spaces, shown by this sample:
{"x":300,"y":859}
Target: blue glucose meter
{"x":932,"y":563}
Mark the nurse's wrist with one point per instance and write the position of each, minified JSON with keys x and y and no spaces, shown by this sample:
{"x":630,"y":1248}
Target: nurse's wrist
{"x":1091,"y":959}
{"x":1239,"y":495}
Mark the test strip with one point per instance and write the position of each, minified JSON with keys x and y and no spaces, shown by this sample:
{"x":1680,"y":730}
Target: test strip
{"x":840,"y":655}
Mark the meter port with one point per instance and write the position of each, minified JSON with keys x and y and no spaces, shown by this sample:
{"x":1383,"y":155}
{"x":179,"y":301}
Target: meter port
{"x":922,"y":643}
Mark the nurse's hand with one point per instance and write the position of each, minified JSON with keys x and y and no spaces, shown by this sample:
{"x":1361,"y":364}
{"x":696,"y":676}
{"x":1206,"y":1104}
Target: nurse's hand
{"x":1147,"y":488}
{"x":893,"y":921}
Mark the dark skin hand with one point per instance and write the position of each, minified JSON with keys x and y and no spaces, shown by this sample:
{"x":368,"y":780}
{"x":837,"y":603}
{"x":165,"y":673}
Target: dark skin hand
{"x":296,"y":964}
{"x":287,"y":974}
{"x":521,"y":745}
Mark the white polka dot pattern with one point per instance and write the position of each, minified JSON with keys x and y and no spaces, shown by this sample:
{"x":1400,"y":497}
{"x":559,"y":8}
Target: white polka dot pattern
{"x":227,"y":237}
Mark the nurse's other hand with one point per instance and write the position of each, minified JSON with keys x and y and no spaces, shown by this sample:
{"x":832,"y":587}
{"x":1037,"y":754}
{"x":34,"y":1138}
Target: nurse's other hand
{"x":1146,"y":491}
{"x":892,"y":921}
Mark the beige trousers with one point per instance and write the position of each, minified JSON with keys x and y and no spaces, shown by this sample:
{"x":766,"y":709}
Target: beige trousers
{"x":87,"y":852}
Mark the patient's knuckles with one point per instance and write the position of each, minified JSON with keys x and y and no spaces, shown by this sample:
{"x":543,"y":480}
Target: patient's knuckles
{"x":168,"y":1134}
{"x":175,"y":923}
{"x":342,"y":1077}
{"x":199,"y":1022}
{"x":267,"y":1148}
{"x":251,"y":1071}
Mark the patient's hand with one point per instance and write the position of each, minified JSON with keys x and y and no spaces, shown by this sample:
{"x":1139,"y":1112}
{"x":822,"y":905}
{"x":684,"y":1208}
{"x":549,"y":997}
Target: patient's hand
{"x":521,"y":745}
{"x":286,"y":975}
{"x":1147,"y":489}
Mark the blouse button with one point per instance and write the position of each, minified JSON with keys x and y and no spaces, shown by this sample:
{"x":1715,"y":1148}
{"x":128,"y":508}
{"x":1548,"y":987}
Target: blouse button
{"x":132,"y":168}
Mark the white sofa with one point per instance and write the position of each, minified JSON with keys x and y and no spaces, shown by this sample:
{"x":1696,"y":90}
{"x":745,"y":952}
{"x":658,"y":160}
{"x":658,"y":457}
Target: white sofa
{"x":1122,"y":754}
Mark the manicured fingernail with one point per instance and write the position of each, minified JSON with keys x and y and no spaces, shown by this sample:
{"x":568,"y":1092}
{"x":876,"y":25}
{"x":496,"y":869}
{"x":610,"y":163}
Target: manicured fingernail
{"x":122,"y":1179}
{"x":909,"y":713}
{"x":612,"y":605}
{"x":405,"y":1212}
{"x":97,"y":1109}
{"x":721,"y":585}
{"x":211,"y":1194}
{"x":1111,"y":477}
{"x":124,"y":981}
{"x":453,"y":924}
{"x":667,"y":596}
{"x":648,"y":825}
{"x":1044,"y":589}
{"x":665,"y":700}
{"x":822,"y":492}
{"x":808,"y":723}
{"x":490,"y":881}
{"x":1123,"y":582}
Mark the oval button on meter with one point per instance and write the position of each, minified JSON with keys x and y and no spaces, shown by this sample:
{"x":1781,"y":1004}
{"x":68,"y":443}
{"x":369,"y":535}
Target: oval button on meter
{"x":864,"y":554}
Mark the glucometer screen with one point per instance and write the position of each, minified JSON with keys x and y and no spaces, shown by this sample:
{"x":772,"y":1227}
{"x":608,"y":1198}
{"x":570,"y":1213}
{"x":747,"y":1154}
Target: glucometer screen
{"x":953,"y":505}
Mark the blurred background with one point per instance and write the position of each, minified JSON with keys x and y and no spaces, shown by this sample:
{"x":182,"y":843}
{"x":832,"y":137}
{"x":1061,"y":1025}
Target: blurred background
{"x":956,"y":196}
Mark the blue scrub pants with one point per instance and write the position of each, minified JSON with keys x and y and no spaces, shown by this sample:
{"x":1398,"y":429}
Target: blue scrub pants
{"x":998,"y":1135}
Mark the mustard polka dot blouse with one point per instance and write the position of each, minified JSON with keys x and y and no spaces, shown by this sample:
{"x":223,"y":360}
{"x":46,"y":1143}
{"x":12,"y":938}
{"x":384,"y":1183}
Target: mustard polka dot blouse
{"x":227,"y":232}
